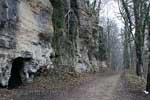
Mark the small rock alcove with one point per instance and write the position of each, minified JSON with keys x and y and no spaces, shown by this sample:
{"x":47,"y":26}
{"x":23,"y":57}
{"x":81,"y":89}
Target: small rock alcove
{"x":15,"y":78}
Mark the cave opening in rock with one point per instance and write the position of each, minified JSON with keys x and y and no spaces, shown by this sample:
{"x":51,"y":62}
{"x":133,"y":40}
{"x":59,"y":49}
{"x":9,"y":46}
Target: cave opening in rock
{"x":15,"y":78}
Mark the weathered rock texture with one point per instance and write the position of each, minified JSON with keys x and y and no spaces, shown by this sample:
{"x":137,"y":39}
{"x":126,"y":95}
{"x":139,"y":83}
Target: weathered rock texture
{"x":26,"y":31}
{"x":88,"y":36}
{"x":83,"y":35}
{"x":48,"y":33}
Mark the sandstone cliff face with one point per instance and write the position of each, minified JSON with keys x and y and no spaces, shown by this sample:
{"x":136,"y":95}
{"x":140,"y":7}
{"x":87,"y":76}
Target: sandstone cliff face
{"x":28,"y":29}
{"x":24,"y":23}
{"x":7,"y":37}
{"x":34,"y":29}
{"x":79,"y":44}
{"x":87,"y":39}
{"x":88,"y":36}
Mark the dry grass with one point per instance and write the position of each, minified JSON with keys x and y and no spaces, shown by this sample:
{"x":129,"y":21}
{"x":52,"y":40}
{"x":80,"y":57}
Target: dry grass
{"x":134,"y":82}
{"x":48,"y":83}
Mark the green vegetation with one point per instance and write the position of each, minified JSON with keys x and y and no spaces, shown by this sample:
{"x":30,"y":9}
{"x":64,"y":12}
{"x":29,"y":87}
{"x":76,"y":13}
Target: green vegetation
{"x":58,"y":14}
{"x":58,"y":23}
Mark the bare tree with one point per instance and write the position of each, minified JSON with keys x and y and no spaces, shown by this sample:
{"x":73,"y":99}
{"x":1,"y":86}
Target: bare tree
{"x":148,"y":75}
{"x":135,"y":12}
{"x":112,"y":42}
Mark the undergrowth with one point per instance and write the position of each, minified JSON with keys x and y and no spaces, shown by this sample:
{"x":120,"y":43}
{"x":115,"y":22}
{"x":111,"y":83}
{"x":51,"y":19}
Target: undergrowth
{"x":134,"y":82}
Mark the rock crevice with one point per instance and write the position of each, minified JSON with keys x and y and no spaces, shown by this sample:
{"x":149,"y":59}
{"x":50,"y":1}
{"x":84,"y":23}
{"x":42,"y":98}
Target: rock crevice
{"x":49,"y":33}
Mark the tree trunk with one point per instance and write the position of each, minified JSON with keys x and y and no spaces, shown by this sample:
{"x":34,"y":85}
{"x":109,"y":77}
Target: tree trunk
{"x":139,"y":62}
{"x":138,"y":44}
{"x":138,"y":39}
{"x":126,"y":48}
{"x":148,"y":75}
{"x":58,"y":24}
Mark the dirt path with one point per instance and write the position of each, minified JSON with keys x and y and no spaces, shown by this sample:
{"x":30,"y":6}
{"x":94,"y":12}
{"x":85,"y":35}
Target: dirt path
{"x":101,"y":88}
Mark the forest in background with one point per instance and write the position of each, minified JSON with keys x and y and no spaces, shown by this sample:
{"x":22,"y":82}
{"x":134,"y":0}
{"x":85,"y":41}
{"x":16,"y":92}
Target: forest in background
{"x":57,"y":44}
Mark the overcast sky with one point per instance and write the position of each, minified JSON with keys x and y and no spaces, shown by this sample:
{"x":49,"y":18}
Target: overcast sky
{"x":110,"y":9}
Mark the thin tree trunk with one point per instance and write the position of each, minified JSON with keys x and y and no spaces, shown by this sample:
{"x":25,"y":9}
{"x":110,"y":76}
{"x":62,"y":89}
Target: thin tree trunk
{"x":126,"y":48}
{"x":148,"y":75}
{"x":139,"y":60}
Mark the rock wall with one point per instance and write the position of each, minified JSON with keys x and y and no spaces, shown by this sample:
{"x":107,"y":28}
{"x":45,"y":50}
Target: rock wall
{"x":49,"y":33}
{"x":88,"y":37}
{"x":78,"y":42}
{"x":8,"y":20}
{"x":35,"y":30}
{"x":26,"y":31}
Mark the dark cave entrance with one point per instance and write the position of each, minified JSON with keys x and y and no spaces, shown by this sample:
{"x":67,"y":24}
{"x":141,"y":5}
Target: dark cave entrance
{"x":15,"y":78}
